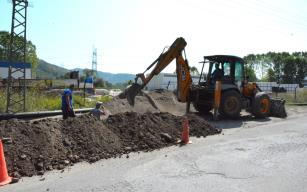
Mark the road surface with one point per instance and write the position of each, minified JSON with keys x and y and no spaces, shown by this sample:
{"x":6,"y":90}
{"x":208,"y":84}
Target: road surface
{"x":250,"y":155}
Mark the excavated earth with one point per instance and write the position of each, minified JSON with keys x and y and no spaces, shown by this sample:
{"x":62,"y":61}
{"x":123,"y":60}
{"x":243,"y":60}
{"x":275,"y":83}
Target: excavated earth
{"x":41,"y":145}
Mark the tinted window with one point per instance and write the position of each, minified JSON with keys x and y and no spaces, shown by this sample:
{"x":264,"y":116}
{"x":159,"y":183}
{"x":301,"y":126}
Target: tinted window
{"x":238,"y":71}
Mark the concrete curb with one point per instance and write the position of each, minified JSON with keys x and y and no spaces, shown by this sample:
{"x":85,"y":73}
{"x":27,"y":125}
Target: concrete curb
{"x":297,"y":104}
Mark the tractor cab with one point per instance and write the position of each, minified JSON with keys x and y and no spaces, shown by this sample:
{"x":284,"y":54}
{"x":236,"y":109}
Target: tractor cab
{"x":228,"y":69}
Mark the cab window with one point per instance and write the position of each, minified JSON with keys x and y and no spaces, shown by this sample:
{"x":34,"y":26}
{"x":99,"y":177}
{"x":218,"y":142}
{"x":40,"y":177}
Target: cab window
{"x":238,"y":71}
{"x":226,"y":67}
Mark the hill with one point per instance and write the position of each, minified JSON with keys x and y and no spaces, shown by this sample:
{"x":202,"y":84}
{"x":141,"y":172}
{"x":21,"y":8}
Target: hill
{"x":111,"y":77}
{"x":46,"y":70}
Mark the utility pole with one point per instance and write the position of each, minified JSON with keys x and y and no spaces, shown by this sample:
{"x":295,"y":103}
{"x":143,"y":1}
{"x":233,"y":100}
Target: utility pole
{"x":16,"y":88}
{"x":94,"y":62}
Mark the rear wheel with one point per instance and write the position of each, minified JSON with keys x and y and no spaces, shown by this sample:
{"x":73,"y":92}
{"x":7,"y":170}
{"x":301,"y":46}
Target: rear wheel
{"x":230,"y":106}
{"x":261,"y":105}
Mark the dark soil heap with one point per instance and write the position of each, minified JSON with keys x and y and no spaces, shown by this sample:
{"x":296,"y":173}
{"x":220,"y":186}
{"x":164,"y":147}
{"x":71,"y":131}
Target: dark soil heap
{"x":53,"y":144}
{"x":151,"y":131}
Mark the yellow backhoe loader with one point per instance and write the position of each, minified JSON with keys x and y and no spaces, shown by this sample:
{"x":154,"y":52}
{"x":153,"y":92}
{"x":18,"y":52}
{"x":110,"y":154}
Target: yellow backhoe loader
{"x":225,"y":86}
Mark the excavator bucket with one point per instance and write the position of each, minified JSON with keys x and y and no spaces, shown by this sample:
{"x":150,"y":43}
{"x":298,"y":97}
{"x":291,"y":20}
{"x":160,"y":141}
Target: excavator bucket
{"x":278,"y":108}
{"x":130,"y":93}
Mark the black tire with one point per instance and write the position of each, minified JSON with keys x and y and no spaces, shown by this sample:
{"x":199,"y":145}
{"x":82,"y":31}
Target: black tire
{"x":261,"y":105}
{"x":231,"y":104}
{"x":204,"y":109}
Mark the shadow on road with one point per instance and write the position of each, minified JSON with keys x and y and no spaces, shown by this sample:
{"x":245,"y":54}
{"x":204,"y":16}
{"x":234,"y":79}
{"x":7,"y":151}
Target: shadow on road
{"x":226,"y":123}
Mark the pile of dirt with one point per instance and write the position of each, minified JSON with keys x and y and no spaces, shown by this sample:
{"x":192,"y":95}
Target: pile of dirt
{"x":49,"y":144}
{"x":149,"y":101}
{"x":166,"y":101}
{"x":142,"y":105}
{"x":150,"y":131}
{"x":53,"y":144}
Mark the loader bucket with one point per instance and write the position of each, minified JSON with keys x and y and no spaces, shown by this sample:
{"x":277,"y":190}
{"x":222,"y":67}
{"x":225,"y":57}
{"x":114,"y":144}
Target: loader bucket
{"x":131,"y":91}
{"x":278,"y":108}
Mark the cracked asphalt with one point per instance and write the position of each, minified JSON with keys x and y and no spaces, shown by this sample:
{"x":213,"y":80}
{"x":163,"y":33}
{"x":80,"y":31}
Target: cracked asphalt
{"x":250,"y":155}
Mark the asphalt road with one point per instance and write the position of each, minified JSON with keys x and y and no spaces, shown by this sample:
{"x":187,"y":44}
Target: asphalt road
{"x":250,"y":155}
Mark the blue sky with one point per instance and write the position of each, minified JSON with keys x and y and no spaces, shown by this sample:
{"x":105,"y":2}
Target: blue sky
{"x":129,"y":35}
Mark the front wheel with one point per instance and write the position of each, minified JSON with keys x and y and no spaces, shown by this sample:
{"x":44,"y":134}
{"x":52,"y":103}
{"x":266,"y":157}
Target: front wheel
{"x":261,"y":105}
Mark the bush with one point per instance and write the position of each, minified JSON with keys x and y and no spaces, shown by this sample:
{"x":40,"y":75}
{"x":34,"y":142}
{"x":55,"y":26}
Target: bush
{"x":37,"y":100}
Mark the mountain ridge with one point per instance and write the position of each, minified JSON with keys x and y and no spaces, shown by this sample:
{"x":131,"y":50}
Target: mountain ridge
{"x":47,"y":70}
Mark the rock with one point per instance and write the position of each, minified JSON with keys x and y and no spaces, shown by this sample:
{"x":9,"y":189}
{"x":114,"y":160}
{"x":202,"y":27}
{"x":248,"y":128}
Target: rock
{"x":16,"y":174}
{"x":14,"y":180}
{"x":49,"y":168}
{"x":128,"y":148}
{"x":40,"y":172}
{"x":141,"y":135}
{"x":74,"y":158}
{"x":60,"y":167}
{"x":167,"y":137}
{"x":93,"y":159}
{"x":66,"y":142}
{"x":40,"y":157}
{"x":23,"y":157}
{"x":40,"y":166}
{"x":66,"y":162}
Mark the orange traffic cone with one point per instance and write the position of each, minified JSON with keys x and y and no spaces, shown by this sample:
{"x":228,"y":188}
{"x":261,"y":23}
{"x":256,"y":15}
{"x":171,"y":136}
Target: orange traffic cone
{"x":185,"y":132}
{"x":4,"y":177}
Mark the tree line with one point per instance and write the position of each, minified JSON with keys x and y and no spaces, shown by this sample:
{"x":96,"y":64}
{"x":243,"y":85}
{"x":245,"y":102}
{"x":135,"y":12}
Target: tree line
{"x":281,"y":67}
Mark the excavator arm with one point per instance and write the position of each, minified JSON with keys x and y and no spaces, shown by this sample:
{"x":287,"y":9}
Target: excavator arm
{"x":182,"y":69}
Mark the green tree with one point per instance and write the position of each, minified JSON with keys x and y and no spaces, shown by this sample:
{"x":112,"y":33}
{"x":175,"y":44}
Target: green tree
{"x":277,"y":62}
{"x":250,"y":73}
{"x":270,"y":76}
{"x":283,"y":67}
{"x":87,"y":72}
{"x":289,"y":70}
{"x":194,"y":71}
{"x":301,"y":69}
{"x":99,"y":82}
{"x":31,"y":56}
{"x":66,"y":76}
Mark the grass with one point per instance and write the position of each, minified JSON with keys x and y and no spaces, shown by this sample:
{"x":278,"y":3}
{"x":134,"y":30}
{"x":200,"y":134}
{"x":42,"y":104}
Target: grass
{"x":37,"y":100}
{"x":301,"y":96}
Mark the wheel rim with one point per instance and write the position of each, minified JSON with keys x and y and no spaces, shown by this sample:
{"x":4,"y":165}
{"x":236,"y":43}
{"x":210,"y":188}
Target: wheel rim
{"x":264,"y":106}
{"x":231,"y":104}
